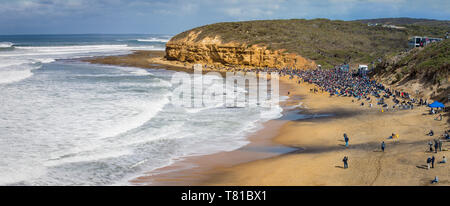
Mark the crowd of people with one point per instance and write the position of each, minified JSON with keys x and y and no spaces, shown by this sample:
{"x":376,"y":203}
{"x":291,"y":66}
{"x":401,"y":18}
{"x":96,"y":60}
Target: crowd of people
{"x":338,"y":82}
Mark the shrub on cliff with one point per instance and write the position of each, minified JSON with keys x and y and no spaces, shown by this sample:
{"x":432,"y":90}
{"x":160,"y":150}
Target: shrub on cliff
{"x":325,"y":41}
{"x":428,"y":66}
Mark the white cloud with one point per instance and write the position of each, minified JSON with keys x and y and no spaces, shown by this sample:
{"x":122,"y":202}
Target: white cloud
{"x":183,"y":14}
{"x":240,"y":9}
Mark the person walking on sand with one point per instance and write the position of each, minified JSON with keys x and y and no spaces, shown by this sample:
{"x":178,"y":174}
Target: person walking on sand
{"x":431,"y":146}
{"x":383,"y":145}
{"x":345,"y":160}
{"x":346,"y":139}
{"x":432,"y":161}
{"x":428,"y":163}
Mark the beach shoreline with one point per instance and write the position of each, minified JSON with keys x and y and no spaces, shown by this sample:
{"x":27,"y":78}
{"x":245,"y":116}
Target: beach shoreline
{"x":196,"y":170}
{"x":317,"y":146}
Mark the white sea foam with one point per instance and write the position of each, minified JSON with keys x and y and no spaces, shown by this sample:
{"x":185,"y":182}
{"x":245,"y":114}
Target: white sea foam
{"x":146,"y":111}
{"x":17,"y":65}
{"x":6,"y":44}
{"x":16,"y":73}
{"x":299,"y":105}
{"x":84,"y":124}
{"x":135,"y":71}
{"x":152,"y":39}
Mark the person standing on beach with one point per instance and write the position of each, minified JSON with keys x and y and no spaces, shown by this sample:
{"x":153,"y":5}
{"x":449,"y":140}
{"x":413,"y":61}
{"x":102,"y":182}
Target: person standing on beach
{"x":345,"y":160}
{"x":436,"y":146}
{"x":432,"y":161}
{"x":383,"y":145}
{"x":431,"y":146}
{"x":346,"y":139}
{"x":428,"y":163}
{"x":440,"y":145}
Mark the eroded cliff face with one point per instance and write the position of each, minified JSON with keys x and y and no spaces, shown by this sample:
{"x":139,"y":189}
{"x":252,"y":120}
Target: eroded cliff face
{"x":213,"y":51}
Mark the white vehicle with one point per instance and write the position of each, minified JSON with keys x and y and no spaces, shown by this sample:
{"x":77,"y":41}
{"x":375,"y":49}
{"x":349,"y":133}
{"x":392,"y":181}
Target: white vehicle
{"x":419,"y":41}
{"x":363,"y":69}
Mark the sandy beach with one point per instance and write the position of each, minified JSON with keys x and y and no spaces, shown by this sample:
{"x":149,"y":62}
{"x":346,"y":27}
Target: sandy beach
{"x":403,"y":162}
{"x":295,"y":150}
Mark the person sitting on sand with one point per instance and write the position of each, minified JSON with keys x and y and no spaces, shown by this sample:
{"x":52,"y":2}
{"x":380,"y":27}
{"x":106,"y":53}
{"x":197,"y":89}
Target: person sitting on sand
{"x":444,"y":160}
{"x":392,"y":136}
{"x":431,"y":133}
{"x":436,"y":180}
{"x":446,"y":135}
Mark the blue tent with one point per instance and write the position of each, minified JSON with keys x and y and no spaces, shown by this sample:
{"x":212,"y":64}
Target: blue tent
{"x":436,"y":104}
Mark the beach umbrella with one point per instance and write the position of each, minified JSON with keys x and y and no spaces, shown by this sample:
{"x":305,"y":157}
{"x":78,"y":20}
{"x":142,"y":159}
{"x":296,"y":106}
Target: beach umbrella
{"x":436,"y":104}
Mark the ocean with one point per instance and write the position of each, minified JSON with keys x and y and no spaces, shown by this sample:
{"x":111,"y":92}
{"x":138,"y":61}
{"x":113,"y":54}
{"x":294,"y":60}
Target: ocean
{"x":67,"y":122}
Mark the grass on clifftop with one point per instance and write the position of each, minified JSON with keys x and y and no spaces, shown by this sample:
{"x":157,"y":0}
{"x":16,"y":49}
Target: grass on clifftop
{"x":325,"y":41}
{"x":430,"y":66}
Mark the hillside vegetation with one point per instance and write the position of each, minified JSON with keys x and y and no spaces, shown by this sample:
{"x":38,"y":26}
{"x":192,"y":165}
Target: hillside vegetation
{"x":426,"y":69}
{"x":325,"y":41}
{"x":407,"y":21}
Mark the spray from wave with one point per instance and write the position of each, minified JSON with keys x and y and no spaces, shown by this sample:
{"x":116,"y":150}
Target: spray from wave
{"x":6,"y":45}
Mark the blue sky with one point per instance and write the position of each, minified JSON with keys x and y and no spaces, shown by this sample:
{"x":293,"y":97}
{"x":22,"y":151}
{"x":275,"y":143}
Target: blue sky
{"x":174,"y":16}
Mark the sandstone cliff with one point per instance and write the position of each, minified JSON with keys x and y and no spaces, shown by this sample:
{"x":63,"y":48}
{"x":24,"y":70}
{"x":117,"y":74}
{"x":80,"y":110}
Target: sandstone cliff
{"x":214,"y":51}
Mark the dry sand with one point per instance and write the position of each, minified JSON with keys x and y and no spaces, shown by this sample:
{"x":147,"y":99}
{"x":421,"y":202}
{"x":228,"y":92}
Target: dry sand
{"x":319,"y":161}
{"x":403,"y":162}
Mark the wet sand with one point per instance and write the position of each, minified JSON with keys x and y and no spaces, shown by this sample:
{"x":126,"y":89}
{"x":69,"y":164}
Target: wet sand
{"x":297,"y":151}
{"x":195,"y":170}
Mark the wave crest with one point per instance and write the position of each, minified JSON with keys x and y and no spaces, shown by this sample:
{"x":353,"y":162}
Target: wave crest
{"x":6,"y":45}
